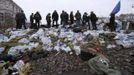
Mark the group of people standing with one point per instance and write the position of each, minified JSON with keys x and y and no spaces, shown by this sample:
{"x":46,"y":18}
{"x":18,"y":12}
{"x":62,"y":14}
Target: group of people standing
{"x":20,"y":20}
{"x":65,"y":19}
{"x":35,"y":20}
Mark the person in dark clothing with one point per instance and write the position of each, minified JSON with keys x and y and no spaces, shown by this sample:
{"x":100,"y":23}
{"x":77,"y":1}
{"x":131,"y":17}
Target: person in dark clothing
{"x":93,"y":19}
{"x":22,"y":20}
{"x":66,"y":16}
{"x":71,"y":18}
{"x":32,"y":20}
{"x":62,"y":17}
{"x":17,"y":18}
{"x":55,"y":17}
{"x":85,"y":19}
{"x":48,"y":19}
{"x":78,"y":18}
{"x":37,"y":18}
{"x":112,"y":22}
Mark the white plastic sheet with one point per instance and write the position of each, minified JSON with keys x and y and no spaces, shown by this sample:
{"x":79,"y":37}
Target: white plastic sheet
{"x":17,"y":49}
{"x":1,"y":49}
{"x":24,"y":40}
{"x":19,"y":64}
{"x":39,"y":34}
{"x":111,"y":46}
{"x":77,"y":50}
{"x":3,"y":38}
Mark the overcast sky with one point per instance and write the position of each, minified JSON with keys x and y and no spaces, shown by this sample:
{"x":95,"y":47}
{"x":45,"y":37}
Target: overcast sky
{"x":100,"y":7}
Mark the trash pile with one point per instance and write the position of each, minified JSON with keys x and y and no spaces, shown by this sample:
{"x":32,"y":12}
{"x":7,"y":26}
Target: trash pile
{"x":44,"y":50}
{"x":57,"y":63}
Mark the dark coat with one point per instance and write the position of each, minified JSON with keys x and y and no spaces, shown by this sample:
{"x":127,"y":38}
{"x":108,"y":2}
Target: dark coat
{"x":37,"y":17}
{"x":62,"y":16}
{"x":22,"y":17}
{"x":55,"y":16}
{"x":31,"y":18}
{"x":66,"y":17}
{"x":71,"y":16}
{"x":48,"y":18}
{"x":112,"y":19}
{"x":93,"y":17}
{"x":78,"y":16}
{"x":85,"y":18}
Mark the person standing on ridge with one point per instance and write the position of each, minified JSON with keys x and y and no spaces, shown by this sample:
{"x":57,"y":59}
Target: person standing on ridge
{"x":55,"y":18}
{"x":78,"y":18}
{"x":112,"y":22}
{"x":48,"y":19}
{"x":93,"y":19}
{"x":37,"y":18}
{"x":32,"y":20}
{"x":71,"y":18}
{"x":22,"y":20}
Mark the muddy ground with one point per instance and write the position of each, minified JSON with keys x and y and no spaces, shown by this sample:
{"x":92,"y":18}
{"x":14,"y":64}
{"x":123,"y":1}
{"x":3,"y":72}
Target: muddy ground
{"x":63,"y":63}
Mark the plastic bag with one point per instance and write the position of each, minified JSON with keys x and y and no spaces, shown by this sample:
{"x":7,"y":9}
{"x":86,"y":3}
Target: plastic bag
{"x":19,"y":64}
{"x":77,"y":50}
{"x":24,"y":40}
{"x":1,"y":50}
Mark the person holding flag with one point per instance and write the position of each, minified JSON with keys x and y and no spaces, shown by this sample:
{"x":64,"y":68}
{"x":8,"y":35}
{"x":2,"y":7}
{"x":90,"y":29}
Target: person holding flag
{"x":112,"y":26}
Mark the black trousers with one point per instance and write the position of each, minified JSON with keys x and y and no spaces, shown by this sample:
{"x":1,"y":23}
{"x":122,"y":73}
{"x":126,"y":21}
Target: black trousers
{"x":22,"y":23}
{"x":37,"y":22}
{"x":94,"y":25}
{"x":17,"y":24}
{"x":49,"y":24}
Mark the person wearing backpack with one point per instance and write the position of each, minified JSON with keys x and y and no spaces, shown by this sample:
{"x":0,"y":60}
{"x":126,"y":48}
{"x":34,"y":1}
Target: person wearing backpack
{"x":93,"y":19}
{"x":71,"y":18}
{"x":78,"y":18}
{"x":23,"y":19}
{"x":37,"y":18}
{"x":48,"y":19}
{"x":55,"y":18}
{"x":85,"y":19}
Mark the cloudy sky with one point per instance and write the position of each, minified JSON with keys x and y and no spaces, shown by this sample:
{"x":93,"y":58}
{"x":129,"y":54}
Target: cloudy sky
{"x":100,"y":7}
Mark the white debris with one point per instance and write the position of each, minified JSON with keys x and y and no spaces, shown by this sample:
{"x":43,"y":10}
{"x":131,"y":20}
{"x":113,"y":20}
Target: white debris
{"x":111,"y":46}
{"x":46,"y":40}
{"x":19,"y":64}
{"x":24,"y":40}
{"x":1,"y":49}
{"x":118,"y":25}
{"x":77,"y":50}
{"x":16,"y":33}
{"x":65,"y":48}
{"x":39,"y":34}
{"x":17,"y":49}
{"x":3,"y":38}
{"x":125,"y":40}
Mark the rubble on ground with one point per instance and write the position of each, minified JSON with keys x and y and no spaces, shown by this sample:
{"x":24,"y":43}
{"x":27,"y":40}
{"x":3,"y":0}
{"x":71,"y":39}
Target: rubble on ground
{"x":63,"y":47}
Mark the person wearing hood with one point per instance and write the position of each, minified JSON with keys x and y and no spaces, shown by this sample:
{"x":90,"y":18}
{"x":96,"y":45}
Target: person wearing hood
{"x":37,"y":18}
{"x":32,"y":20}
{"x":22,"y":20}
{"x":78,"y":18}
{"x":71,"y":18}
{"x":93,"y":19}
{"x":85,"y":19}
{"x":48,"y":19}
{"x":62,"y":17}
{"x":55,"y":18}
